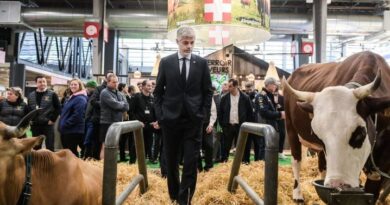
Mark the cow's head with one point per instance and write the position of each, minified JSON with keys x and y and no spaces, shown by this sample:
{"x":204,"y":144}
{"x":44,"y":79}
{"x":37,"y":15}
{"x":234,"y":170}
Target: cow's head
{"x":342,"y":129}
{"x":11,"y":147}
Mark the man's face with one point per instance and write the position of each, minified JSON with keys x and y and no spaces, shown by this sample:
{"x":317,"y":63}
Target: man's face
{"x":232,"y":88}
{"x":225,"y":87}
{"x":112,"y":83}
{"x":41,"y":84}
{"x":271,"y":87}
{"x":186,"y":44}
{"x":248,"y":89}
{"x":148,"y":87}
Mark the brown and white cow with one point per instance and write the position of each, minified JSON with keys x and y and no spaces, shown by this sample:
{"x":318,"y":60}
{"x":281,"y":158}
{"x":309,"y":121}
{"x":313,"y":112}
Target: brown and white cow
{"x":329,"y":108}
{"x":57,"y":178}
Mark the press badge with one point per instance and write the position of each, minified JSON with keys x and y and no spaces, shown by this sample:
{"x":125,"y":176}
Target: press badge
{"x":147,"y":112}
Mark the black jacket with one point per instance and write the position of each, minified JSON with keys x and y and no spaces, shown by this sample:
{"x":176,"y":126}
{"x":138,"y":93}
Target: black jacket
{"x":143,"y":108}
{"x":267,"y":108}
{"x":95,"y":102}
{"x":171,"y":95}
{"x":245,"y":109}
{"x":12,"y":112}
{"x":49,"y":103}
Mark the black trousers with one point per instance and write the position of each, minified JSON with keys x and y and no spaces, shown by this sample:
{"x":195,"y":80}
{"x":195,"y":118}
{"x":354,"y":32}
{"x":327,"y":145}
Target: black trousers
{"x":148,"y":141}
{"x":257,"y":142}
{"x":103,"y":128}
{"x":163,"y":161}
{"x":230,"y":132}
{"x":207,"y":148}
{"x":70,"y":141}
{"x":123,"y":141}
{"x":282,"y":134}
{"x":156,"y":146}
{"x":48,"y":132}
{"x":184,"y":134}
{"x":91,"y":141}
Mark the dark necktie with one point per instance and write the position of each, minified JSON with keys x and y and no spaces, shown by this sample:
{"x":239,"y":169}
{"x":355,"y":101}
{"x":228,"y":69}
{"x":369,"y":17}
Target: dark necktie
{"x":183,"y":71}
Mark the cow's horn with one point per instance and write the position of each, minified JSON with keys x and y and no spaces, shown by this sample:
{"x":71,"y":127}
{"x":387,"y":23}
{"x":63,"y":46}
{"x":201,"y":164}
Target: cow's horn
{"x":301,"y":95}
{"x":20,"y":129}
{"x":366,"y":90}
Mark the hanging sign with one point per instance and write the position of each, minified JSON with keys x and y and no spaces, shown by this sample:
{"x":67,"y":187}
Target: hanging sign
{"x":91,"y":29}
{"x":307,"y":46}
{"x":221,"y":22}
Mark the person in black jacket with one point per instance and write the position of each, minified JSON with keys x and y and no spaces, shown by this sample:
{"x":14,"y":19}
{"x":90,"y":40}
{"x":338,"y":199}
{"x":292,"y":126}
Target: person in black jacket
{"x":91,"y":141}
{"x":94,"y":100}
{"x":235,"y":109}
{"x":13,"y":108}
{"x":143,"y":106}
{"x":267,"y":107}
{"x":279,"y":101}
{"x":48,"y":101}
{"x":125,"y":138}
{"x":252,"y":137}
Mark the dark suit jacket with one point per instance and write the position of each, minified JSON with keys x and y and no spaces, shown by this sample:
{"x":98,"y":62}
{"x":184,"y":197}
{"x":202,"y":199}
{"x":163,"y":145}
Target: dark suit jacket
{"x":245,"y":109}
{"x":171,"y":95}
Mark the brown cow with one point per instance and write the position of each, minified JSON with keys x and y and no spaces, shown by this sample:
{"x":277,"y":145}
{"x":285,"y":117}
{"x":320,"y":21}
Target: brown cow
{"x":57,"y":178}
{"x":336,"y":116}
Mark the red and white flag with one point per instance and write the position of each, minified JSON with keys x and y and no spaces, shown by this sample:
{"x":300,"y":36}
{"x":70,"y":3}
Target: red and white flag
{"x":217,"y":10}
{"x":218,"y":35}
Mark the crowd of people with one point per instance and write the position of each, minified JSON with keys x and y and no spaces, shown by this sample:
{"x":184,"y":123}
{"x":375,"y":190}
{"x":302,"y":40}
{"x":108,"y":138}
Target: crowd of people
{"x":185,"y":121}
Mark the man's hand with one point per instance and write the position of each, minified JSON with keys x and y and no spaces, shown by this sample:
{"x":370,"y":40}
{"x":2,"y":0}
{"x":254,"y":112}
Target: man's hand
{"x":209,"y":129}
{"x":155,"y":125}
{"x":50,"y":122}
{"x":282,"y":115}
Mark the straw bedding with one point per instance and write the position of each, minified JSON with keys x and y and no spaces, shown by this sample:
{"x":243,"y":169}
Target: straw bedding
{"x":212,"y":186}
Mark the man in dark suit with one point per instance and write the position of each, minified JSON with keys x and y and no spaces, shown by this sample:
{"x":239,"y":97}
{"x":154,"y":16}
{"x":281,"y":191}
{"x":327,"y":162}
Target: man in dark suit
{"x":182,"y":97}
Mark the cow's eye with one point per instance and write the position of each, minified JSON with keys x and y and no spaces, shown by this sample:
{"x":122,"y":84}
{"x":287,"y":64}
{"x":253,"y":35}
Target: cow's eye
{"x":357,"y":137}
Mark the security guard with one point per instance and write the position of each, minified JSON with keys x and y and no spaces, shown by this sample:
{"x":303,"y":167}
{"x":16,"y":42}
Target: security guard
{"x":267,"y":108}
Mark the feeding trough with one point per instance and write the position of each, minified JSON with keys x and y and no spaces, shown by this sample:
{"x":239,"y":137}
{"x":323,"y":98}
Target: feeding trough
{"x":344,"y":196}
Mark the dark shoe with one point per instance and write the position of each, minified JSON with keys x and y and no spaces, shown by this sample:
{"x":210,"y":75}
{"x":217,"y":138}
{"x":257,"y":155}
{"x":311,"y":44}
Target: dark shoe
{"x":207,"y":168}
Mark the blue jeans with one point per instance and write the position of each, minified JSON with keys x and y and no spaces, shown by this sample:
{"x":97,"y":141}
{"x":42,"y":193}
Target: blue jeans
{"x":88,"y":133}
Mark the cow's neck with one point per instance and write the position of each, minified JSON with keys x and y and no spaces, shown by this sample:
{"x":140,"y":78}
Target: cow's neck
{"x":15,"y":176}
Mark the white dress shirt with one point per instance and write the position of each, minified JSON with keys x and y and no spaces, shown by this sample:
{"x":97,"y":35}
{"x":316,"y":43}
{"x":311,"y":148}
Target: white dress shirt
{"x":213,"y":113}
{"x":234,"y":108}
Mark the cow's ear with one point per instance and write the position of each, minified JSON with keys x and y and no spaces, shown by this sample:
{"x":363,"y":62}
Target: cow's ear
{"x":26,"y":144}
{"x":376,"y":104}
{"x":305,"y":106}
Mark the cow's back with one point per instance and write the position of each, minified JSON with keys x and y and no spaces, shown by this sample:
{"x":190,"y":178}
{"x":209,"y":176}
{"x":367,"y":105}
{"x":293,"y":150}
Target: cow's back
{"x":62,"y":178}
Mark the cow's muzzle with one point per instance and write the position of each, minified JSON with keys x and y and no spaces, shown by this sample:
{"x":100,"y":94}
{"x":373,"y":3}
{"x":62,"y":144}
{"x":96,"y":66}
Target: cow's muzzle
{"x":338,"y":184}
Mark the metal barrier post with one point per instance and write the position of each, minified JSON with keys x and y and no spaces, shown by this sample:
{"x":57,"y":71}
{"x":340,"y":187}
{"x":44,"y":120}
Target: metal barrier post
{"x":240,"y":148}
{"x":271,"y":162}
{"x":140,"y":151}
{"x":110,"y":159}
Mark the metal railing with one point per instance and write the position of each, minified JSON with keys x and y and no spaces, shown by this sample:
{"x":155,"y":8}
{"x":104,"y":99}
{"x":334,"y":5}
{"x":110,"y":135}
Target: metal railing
{"x":271,"y":163}
{"x":110,"y":162}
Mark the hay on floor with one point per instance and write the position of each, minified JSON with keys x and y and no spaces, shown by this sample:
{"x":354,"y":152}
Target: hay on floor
{"x":212,"y":186}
